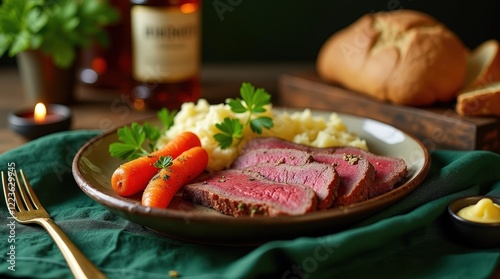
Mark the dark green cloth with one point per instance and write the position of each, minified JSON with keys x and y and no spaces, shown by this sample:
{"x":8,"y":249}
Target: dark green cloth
{"x":408,"y":240}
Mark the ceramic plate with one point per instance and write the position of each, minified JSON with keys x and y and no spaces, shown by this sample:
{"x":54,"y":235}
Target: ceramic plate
{"x":93,"y":167}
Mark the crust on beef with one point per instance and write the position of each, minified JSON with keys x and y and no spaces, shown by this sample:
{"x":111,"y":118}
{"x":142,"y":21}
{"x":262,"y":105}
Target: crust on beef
{"x":242,"y":193}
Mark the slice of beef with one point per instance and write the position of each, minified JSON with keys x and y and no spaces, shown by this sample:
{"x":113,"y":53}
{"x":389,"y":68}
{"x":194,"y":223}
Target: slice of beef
{"x":356,"y":176}
{"x":322,"y":178}
{"x":272,"y":143}
{"x":245,"y":193}
{"x":389,"y":170}
{"x":274,"y":156}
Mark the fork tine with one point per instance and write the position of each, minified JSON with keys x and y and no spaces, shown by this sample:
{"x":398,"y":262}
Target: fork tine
{"x":5,"y":187}
{"x":25,"y":202}
{"x":33,"y":201}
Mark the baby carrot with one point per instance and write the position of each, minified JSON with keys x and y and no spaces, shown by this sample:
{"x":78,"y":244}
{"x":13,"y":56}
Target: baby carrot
{"x":132,"y":177}
{"x":175,"y":174}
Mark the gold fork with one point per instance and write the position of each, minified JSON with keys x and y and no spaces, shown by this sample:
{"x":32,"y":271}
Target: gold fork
{"x":25,"y":207}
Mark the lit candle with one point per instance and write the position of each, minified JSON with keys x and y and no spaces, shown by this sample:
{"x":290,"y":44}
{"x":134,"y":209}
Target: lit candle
{"x":43,"y":120}
{"x":40,"y":113}
{"x":189,"y":8}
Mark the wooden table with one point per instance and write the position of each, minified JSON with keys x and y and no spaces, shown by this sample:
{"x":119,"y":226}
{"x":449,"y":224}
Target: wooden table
{"x":107,"y":109}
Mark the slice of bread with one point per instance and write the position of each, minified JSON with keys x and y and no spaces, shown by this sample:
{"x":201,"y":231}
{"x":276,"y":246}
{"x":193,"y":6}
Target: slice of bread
{"x":481,"y":101}
{"x":483,"y":65}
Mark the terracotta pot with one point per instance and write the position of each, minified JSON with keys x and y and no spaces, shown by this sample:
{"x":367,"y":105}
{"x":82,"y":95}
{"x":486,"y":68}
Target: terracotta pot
{"x":45,"y":82}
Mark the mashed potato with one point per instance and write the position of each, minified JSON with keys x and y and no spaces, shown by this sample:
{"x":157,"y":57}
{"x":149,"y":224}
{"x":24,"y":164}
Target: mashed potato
{"x":300,"y":127}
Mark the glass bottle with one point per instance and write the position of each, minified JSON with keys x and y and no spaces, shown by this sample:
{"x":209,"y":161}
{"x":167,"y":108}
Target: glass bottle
{"x":108,"y":67}
{"x":165,"y":37}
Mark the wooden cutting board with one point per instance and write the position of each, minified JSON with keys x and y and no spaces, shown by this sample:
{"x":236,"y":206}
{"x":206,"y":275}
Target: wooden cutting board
{"x":438,"y":127}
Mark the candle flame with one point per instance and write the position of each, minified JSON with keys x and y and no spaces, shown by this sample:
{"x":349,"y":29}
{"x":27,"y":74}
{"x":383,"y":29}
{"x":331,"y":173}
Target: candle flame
{"x":188,"y":8}
{"x":40,"y":112}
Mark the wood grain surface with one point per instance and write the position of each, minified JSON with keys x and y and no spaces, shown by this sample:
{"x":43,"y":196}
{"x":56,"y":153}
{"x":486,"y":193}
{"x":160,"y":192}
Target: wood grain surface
{"x":438,"y":127}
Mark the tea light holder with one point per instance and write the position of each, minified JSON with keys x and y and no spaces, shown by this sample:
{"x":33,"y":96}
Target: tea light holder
{"x":35,"y":123}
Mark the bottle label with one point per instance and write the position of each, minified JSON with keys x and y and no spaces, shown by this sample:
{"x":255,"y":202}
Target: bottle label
{"x":165,"y":44}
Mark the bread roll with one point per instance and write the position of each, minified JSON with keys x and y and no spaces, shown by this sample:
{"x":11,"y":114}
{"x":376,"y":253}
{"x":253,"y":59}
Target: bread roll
{"x":483,"y":65}
{"x":404,"y":57}
{"x":480,"y":101}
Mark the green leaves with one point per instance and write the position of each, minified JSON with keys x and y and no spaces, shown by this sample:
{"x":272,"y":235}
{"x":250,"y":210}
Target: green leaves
{"x":138,"y":140}
{"x":255,"y":100}
{"x":257,"y":124}
{"x":231,"y":129}
{"x":57,"y":27}
{"x":20,"y":23}
{"x":164,"y":162}
{"x":166,"y":117}
{"x":253,"y":103}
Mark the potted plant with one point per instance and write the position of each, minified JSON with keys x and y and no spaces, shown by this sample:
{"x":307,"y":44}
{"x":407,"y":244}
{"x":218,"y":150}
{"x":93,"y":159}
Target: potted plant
{"x":46,"y":37}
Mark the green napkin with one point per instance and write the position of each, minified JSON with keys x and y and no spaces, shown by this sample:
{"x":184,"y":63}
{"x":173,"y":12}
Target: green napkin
{"x":408,"y":240}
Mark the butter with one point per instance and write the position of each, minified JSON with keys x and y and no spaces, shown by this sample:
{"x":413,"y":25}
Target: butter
{"x":484,"y":211}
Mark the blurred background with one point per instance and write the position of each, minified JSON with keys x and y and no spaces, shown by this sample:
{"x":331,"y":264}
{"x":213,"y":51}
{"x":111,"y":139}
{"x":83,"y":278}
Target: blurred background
{"x":294,"y":30}
{"x":260,"y":42}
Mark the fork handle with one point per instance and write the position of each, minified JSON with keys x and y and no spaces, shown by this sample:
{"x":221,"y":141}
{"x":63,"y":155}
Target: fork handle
{"x":77,"y":261}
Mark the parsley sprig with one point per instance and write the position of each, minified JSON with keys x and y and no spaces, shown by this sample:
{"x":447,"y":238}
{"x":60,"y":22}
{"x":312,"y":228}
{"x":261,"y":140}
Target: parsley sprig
{"x":253,"y":103}
{"x":164,"y":162}
{"x":136,"y":140}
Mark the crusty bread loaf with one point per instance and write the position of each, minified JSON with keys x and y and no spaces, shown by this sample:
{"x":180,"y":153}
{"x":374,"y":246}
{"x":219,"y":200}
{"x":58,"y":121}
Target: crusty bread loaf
{"x":404,"y":57}
{"x":480,"y":101}
{"x":483,"y":65}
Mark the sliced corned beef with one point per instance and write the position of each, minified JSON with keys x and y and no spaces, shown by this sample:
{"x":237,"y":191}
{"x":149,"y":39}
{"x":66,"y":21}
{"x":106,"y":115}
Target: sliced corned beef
{"x":273,"y":142}
{"x":389,"y":170}
{"x":322,"y":178}
{"x":274,"y":156}
{"x":356,"y":176}
{"x":244,"y":193}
